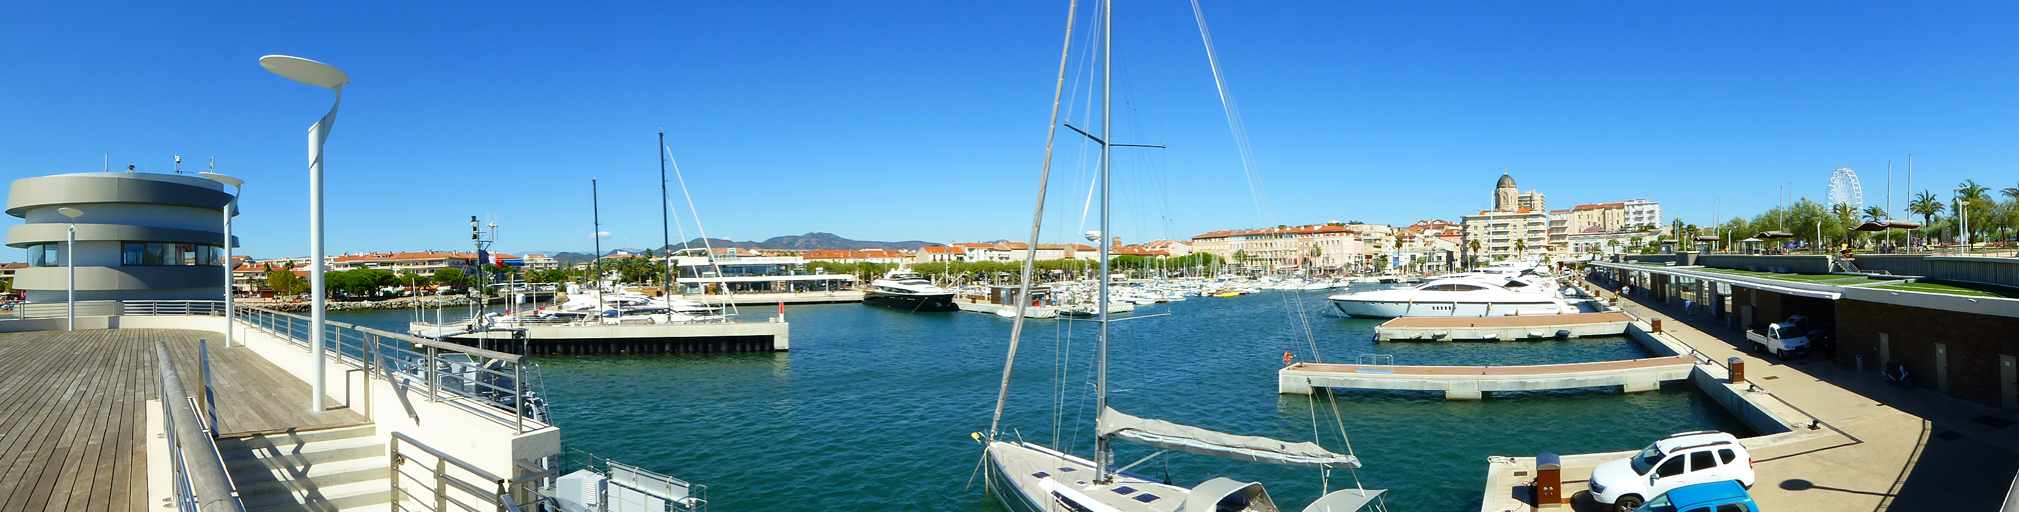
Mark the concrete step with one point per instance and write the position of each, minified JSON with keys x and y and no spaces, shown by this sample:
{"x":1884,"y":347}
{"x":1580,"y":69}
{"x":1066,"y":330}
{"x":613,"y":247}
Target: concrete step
{"x":369,"y":495}
{"x":303,"y":455}
{"x":294,"y":438}
{"x":282,"y":480}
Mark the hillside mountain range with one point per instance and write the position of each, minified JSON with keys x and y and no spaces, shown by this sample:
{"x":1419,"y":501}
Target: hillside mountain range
{"x":806,"y":242}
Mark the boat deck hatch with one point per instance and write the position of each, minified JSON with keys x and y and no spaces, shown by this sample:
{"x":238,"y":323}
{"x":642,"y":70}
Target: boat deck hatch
{"x":1124,"y":490}
{"x":1146,"y":497}
{"x":1040,"y":474}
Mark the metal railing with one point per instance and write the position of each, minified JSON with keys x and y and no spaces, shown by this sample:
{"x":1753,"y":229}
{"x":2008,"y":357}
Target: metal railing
{"x":201,"y":484}
{"x":494,"y":492}
{"x":627,"y":488}
{"x":30,"y":310}
{"x":488,"y":382}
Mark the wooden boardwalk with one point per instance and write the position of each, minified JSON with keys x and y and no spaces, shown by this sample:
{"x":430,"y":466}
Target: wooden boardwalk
{"x":73,"y":406}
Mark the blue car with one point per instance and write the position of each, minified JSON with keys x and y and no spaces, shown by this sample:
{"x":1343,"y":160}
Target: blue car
{"x":1725,"y":496}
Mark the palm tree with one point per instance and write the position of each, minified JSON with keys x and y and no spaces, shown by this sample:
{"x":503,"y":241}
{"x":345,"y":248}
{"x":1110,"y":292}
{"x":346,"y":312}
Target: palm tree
{"x":1520,"y":246}
{"x":1875,"y":213}
{"x":1474,"y":244}
{"x":1927,"y":206}
{"x":2011,"y":192}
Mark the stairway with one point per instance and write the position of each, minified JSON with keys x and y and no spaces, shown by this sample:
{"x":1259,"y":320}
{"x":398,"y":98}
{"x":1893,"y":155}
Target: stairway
{"x":329,"y":470}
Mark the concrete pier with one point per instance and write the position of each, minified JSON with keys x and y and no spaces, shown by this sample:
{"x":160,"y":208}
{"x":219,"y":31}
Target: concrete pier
{"x":640,"y":339}
{"x":763,"y":299}
{"x":1503,"y":328}
{"x":1473,"y":382}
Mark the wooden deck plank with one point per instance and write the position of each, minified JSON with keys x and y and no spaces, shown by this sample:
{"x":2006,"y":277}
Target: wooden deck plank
{"x":23,"y":472}
{"x":26,"y":396}
{"x":73,"y":408}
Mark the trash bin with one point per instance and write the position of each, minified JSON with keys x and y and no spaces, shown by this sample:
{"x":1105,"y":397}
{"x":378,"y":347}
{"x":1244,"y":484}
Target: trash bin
{"x":1738,"y":369}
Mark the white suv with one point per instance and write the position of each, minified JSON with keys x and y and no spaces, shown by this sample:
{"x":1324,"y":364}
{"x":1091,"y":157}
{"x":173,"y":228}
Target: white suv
{"x":1683,"y":459}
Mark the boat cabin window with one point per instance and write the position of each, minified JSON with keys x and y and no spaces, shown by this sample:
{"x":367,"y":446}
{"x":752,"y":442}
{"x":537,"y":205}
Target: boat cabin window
{"x":1453,"y":287}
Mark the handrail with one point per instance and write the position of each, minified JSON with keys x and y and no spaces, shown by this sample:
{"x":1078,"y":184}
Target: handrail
{"x":201,"y":482}
{"x":396,"y":357}
{"x":505,"y":494}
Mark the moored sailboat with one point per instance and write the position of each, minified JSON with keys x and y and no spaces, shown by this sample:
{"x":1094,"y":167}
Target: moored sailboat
{"x":1028,"y":477}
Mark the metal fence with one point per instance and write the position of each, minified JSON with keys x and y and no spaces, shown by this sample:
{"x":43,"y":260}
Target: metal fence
{"x":32,"y":310}
{"x":488,"y":382}
{"x":451,"y":477}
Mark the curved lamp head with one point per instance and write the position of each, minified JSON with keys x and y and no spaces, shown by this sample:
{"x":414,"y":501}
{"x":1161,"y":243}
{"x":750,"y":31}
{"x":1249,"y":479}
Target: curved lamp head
{"x":305,"y":71}
{"x":72,"y":213}
{"x":220,"y":178}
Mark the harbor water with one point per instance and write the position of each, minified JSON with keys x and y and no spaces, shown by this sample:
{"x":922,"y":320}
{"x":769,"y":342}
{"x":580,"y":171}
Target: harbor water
{"x":873,"y":408}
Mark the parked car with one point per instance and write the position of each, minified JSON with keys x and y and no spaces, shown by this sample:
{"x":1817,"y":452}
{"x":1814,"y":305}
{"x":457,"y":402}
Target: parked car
{"x":1675,"y":461}
{"x":1723,"y":496}
{"x":1782,"y":339}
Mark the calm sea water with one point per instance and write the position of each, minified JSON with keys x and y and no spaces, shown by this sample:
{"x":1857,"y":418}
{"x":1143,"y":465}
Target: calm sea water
{"x":872,"y":409}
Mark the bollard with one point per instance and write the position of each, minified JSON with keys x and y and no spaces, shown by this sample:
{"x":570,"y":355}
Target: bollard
{"x":1657,"y":324}
{"x":1738,"y":370}
{"x":1548,"y":480}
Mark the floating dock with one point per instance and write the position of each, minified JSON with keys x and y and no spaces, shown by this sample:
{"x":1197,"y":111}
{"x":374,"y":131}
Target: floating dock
{"x":1473,"y":382}
{"x":772,"y":299}
{"x":1503,"y":328}
{"x":696,"y":338}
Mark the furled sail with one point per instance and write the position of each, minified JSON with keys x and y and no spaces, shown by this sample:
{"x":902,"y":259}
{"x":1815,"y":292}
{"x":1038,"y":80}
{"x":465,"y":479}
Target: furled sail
{"x":1164,"y":434}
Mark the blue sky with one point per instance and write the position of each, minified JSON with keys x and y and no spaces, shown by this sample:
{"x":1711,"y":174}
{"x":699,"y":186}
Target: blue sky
{"x":925,"y":120}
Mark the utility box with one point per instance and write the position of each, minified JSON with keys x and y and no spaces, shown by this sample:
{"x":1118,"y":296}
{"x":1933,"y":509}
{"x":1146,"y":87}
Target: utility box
{"x":1656,"y":323}
{"x":580,"y":491}
{"x":1548,"y":480}
{"x":1738,"y":369}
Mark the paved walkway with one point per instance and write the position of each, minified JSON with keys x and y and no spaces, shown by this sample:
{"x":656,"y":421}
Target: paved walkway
{"x":1905,"y":449}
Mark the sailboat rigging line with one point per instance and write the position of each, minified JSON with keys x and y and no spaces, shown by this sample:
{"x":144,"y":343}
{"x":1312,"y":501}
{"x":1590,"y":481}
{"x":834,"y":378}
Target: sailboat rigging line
{"x":596,"y":216}
{"x":728,"y":297}
{"x":1234,"y":121}
{"x":1037,"y":223}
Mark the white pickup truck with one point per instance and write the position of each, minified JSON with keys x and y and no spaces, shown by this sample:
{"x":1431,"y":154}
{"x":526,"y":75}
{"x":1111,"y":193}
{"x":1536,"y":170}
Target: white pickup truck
{"x":1781,"y":339}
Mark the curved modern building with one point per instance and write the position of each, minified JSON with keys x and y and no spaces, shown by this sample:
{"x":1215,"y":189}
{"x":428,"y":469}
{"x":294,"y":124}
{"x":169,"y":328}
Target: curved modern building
{"x":142,"y":236}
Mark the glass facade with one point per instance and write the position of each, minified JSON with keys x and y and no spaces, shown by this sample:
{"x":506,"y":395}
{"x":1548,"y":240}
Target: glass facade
{"x":44,"y":255}
{"x":138,"y":253}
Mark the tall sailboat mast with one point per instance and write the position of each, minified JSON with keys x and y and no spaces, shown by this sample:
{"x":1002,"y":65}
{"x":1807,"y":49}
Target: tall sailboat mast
{"x":596,"y":217}
{"x":1101,"y":449}
{"x":665,"y":234}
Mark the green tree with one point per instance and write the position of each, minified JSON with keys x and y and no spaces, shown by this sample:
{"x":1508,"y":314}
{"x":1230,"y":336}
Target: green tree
{"x":450,"y":277}
{"x":283,"y":281}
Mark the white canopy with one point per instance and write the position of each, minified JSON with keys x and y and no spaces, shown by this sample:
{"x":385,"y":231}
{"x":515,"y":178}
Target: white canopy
{"x":1164,"y":434}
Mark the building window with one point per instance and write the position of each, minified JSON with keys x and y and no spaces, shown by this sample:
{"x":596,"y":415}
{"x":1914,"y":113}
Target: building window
{"x":145,"y":254}
{"x":43,"y":255}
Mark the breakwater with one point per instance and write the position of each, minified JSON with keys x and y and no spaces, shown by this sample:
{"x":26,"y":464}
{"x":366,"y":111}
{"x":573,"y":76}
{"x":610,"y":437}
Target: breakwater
{"x":365,"y":305}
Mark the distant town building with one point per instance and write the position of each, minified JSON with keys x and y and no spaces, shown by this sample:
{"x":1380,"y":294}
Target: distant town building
{"x":1174,"y":248}
{"x":1321,"y":246}
{"x":1509,"y":230}
{"x":1642,"y":212}
{"x":424,"y":263}
{"x":940,"y":254}
{"x":539,"y":262}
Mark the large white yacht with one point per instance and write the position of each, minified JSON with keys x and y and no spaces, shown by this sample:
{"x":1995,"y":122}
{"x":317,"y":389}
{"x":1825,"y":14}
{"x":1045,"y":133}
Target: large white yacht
{"x":1463,"y":296}
{"x":906,"y":290}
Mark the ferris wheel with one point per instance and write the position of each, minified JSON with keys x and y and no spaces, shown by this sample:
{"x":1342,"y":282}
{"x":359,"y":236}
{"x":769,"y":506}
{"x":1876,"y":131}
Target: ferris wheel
{"x":1844,"y":189}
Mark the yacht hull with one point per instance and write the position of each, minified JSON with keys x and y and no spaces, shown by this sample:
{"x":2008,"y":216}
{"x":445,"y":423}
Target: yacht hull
{"x":1394,"y":309}
{"x":935,"y":302}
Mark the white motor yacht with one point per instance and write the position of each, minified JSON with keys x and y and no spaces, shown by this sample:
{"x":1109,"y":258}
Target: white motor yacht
{"x":906,"y":290}
{"x":1456,"y":297}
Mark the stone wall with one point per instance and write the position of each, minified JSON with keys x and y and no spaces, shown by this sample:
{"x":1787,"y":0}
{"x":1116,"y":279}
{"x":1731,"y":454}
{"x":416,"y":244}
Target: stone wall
{"x":1896,"y":264}
{"x":1974,"y":342}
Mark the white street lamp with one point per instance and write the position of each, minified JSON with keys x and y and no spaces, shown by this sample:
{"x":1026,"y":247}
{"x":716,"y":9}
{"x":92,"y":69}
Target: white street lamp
{"x":1962,"y":223}
{"x":319,"y":75}
{"x":70,"y":266}
{"x":230,"y":279}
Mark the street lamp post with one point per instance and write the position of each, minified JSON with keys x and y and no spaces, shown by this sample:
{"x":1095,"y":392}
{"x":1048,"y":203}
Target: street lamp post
{"x":70,"y":267}
{"x":1962,"y":223}
{"x":319,"y":75}
{"x":230,"y":279}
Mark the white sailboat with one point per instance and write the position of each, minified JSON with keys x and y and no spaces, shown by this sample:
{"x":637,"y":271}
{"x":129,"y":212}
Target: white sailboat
{"x":1028,"y":477}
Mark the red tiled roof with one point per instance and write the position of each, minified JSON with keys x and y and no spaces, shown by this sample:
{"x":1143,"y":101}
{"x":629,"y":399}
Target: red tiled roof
{"x":940,"y":249}
{"x":1295,"y":230}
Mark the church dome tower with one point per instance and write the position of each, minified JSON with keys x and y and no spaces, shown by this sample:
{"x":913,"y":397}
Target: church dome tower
{"x":1504,"y":195}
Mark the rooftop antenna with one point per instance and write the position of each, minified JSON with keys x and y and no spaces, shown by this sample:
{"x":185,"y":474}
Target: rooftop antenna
{"x":129,"y":168}
{"x":108,"y":162}
{"x":178,"y":164}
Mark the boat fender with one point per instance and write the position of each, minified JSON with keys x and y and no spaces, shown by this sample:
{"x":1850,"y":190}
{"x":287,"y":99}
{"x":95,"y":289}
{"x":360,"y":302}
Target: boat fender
{"x":1287,"y":358}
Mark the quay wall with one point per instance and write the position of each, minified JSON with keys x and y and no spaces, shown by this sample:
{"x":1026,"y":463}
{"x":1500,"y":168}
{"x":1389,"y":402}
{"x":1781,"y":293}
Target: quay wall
{"x":1975,"y":269}
{"x":1895,"y":264}
{"x":1714,"y":379}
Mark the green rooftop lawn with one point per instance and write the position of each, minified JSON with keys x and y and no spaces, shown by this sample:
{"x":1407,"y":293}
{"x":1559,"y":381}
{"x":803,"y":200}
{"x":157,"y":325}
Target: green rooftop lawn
{"x":1965,"y":289}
